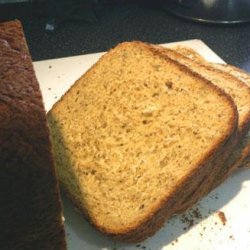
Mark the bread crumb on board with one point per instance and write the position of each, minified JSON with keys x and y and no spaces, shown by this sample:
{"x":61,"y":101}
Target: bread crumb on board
{"x":222,"y":217}
{"x":231,"y":237}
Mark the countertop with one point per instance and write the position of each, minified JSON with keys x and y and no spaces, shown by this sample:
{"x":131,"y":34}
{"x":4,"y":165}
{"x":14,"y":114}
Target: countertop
{"x":125,"y":22}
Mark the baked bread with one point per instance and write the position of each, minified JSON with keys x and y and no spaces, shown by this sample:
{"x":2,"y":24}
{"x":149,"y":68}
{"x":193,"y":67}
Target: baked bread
{"x":240,"y":93}
{"x":238,"y":90}
{"x":134,"y":137}
{"x":31,"y":210}
{"x":241,"y":74}
{"x":242,"y":153}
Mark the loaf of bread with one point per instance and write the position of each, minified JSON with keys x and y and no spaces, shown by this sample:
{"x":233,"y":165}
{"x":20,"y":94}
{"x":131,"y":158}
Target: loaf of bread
{"x":135,"y":137}
{"x":242,"y":153}
{"x":30,"y":210}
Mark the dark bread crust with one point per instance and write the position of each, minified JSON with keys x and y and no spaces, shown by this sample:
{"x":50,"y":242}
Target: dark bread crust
{"x":31,"y":210}
{"x":246,"y":161}
{"x":204,"y":186}
{"x":185,"y":197}
{"x":241,"y":160}
{"x":170,"y":205}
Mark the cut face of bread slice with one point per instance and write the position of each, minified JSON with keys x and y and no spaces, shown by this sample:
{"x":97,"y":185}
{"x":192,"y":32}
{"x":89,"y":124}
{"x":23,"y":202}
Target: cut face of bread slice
{"x":135,"y":135}
{"x":30,"y":210}
{"x":243,"y":149}
{"x":239,"y":91}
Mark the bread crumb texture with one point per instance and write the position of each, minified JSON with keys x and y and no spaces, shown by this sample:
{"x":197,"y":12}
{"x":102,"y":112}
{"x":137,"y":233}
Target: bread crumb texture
{"x":233,"y":82}
{"x":130,"y":130}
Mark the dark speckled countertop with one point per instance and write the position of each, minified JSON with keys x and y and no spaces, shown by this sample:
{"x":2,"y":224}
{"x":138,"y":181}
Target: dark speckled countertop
{"x":127,"y":22}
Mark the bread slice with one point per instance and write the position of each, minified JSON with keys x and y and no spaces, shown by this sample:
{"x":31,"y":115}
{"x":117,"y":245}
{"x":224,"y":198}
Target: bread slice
{"x":31,"y":210}
{"x":242,"y":153}
{"x":238,"y":90}
{"x":135,"y":136}
{"x":241,"y":74}
{"x":240,"y":93}
{"x":192,"y":54}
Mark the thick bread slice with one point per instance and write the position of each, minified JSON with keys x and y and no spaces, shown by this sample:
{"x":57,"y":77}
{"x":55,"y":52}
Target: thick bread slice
{"x":135,"y":136}
{"x":30,"y":210}
{"x":192,"y":54}
{"x":238,"y":90}
{"x":241,"y":95}
{"x":242,"y":153}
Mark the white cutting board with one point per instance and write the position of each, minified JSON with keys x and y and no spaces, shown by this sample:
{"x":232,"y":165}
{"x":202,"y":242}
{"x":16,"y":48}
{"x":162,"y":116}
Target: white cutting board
{"x":207,"y":232}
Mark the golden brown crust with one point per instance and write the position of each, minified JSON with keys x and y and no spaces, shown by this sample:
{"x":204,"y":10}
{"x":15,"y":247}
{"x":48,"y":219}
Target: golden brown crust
{"x":30,"y":211}
{"x":190,"y":53}
{"x":243,"y":74}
